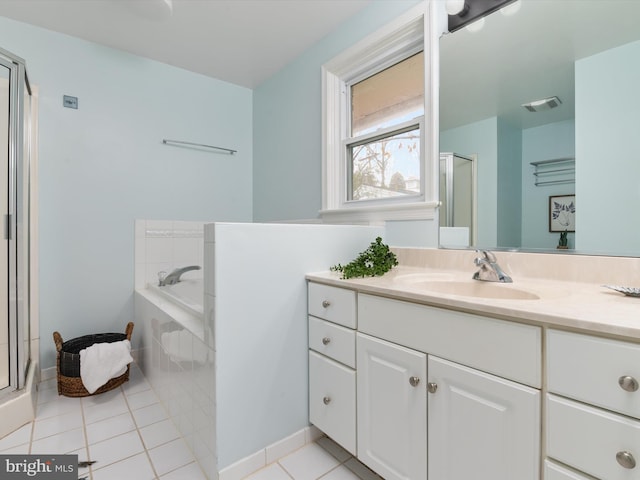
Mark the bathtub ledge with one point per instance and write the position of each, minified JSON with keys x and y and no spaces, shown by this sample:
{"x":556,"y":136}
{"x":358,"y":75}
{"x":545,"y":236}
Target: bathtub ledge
{"x":189,"y":321}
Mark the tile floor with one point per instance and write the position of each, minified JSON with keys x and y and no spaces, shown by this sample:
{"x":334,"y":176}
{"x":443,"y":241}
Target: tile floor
{"x":320,"y":460}
{"x":126,"y":431}
{"x":130,"y":436}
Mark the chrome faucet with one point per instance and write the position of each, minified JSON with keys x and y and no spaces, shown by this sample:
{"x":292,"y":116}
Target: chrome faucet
{"x":172,"y":278}
{"x":489,"y":270}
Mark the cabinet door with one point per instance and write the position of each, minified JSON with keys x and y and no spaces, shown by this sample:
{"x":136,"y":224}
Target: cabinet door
{"x":332,"y":400}
{"x":392,"y":413}
{"x":481,"y":426}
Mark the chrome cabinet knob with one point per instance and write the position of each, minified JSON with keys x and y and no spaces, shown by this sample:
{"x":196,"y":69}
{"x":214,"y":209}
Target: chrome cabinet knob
{"x":326,"y":400}
{"x":414,"y":381}
{"x":326,"y":303}
{"x":432,"y":387}
{"x":628,"y":383}
{"x":626,"y":460}
{"x":326,"y":341}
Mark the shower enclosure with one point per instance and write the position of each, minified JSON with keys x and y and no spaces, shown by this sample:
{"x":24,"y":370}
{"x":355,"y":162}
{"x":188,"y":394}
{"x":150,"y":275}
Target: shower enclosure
{"x":457,"y":196}
{"x":15,"y":161}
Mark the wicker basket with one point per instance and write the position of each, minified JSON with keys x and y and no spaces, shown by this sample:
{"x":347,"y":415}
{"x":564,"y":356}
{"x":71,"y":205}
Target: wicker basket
{"x":68,"y":362}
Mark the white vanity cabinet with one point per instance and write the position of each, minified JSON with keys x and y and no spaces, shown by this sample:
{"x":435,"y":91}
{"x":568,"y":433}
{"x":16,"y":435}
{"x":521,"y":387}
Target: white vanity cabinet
{"x":475,"y":379}
{"x":391,"y":409}
{"x":481,"y":426}
{"x":593,"y":404}
{"x":553,"y":471}
{"x":332,"y":356}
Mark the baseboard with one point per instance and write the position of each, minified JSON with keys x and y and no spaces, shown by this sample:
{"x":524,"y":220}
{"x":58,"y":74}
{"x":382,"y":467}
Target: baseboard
{"x":47,"y":374}
{"x":272,"y":453}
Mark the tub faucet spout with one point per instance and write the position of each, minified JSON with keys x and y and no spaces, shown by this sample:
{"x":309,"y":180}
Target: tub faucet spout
{"x":174,"y":277}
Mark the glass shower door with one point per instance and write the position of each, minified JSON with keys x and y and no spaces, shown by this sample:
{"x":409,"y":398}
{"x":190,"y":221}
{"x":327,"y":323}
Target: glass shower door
{"x":5,"y":77}
{"x":15,"y":100}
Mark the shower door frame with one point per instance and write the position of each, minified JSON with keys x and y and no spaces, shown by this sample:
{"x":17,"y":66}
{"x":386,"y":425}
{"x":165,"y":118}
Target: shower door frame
{"x":18,"y":293}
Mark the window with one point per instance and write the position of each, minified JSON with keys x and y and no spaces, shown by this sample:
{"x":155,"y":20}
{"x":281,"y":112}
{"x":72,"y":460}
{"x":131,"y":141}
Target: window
{"x":378,"y":140}
{"x":384,"y":149}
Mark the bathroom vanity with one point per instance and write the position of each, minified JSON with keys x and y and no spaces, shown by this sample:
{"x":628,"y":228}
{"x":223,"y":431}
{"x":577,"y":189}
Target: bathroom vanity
{"x":425,"y":373}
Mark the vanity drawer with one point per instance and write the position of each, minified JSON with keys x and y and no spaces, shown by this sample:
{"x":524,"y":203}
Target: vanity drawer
{"x":332,"y":400}
{"x":553,"y":471}
{"x":507,"y":349}
{"x":335,"y":304}
{"x":591,"y":440}
{"x":592,"y":370}
{"x":333,"y":341}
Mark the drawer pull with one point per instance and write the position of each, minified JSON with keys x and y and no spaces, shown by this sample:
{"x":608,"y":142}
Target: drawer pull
{"x":432,"y":387}
{"x":628,"y":383}
{"x":414,"y":381}
{"x":326,"y":400}
{"x":626,"y":460}
{"x":326,"y":341}
{"x":326,"y":303}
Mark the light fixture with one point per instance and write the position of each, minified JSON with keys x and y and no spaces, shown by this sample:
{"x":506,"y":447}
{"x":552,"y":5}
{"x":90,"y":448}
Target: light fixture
{"x":543,"y":104}
{"x":454,"y":7}
{"x":476,"y":26}
{"x":511,"y":9}
{"x":474,"y":10}
{"x":158,"y":10}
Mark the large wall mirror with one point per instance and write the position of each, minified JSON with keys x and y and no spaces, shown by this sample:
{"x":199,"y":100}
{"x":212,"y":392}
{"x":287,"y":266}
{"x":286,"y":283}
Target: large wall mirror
{"x":573,"y":163}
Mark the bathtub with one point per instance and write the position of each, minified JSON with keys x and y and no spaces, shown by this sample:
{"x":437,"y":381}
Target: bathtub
{"x":187,"y":294}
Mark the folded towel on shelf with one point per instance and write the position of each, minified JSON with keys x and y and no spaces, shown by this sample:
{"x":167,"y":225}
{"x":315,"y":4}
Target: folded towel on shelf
{"x":102,"y":361}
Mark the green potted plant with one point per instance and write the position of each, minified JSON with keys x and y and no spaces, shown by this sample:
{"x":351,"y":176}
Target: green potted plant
{"x":563,"y":242}
{"x":374,"y":261}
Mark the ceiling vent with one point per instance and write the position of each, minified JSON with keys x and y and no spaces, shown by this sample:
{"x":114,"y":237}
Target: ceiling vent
{"x":542,"y":105}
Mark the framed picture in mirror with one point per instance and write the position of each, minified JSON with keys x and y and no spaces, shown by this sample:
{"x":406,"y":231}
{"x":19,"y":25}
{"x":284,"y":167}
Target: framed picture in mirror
{"x":562,"y":213}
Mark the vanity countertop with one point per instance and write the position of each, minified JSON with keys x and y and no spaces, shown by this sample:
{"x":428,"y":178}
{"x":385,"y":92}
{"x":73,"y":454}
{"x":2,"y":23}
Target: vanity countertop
{"x":587,"y":307}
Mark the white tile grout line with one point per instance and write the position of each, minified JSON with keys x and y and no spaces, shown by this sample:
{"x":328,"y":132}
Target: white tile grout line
{"x":86,"y":439}
{"x":168,"y":417}
{"x":137,"y":428}
{"x":340,"y":463}
{"x":144,"y":445}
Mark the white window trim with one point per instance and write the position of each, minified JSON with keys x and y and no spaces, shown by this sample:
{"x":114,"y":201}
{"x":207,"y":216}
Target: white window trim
{"x":414,"y":31}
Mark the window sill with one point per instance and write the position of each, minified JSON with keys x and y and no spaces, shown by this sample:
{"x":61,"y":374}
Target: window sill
{"x":381,"y":213}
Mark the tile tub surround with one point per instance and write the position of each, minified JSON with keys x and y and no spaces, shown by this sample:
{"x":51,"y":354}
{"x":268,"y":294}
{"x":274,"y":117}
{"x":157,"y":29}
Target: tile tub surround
{"x":183,"y":380}
{"x":570,"y":287}
{"x":162,"y":245}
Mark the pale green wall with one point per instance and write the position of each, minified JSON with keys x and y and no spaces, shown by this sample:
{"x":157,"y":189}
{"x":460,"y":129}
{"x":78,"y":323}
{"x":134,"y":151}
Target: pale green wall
{"x":480,"y":138}
{"x":509,"y":195}
{"x":104,"y":165}
{"x":553,"y":140}
{"x":608,"y":170}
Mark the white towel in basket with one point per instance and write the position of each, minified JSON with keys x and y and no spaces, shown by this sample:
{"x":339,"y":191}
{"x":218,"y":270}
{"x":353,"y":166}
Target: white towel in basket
{"x":102,"y":361}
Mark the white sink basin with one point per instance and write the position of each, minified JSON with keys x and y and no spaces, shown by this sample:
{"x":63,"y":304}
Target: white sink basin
{"x":476,"y":289}
{"x":413,"y":278}
{"x":451,"y":284}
